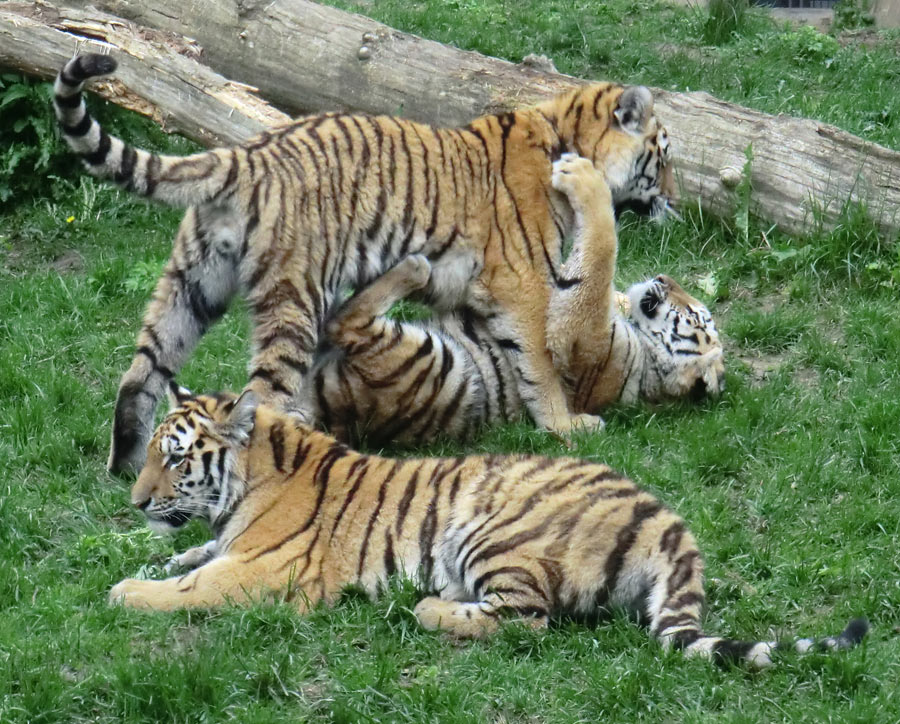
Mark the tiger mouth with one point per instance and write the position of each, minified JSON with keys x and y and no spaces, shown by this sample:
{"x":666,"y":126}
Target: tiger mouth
{"x":175,"y":519}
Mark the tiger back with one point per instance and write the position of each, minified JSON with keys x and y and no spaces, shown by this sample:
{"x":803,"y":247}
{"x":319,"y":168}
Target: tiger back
{"x":300,"y":516}
{"x":300,"y":213}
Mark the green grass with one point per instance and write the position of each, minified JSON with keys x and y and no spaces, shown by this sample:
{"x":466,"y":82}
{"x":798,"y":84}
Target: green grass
{"x":789,"y":480}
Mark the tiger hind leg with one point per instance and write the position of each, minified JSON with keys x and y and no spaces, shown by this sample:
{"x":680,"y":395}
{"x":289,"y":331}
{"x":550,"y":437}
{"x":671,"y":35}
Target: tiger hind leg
{"x":352,"y":325}
{"x":475,"y":619}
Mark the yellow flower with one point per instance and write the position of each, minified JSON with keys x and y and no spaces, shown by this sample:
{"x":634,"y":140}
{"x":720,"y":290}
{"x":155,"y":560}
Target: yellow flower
{"x":70,"y":219}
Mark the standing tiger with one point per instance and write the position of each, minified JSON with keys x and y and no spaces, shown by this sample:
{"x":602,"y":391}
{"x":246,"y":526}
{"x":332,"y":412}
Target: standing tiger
{"x":300,"y":213}
{"x":391,"y":381}
{"x":298,"y":515}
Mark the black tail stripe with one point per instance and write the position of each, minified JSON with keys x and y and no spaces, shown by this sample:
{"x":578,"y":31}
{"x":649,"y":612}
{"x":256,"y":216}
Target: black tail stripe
{"x":99,"y":156}
{"x":69,"y":102}
{"x":80,"y":129}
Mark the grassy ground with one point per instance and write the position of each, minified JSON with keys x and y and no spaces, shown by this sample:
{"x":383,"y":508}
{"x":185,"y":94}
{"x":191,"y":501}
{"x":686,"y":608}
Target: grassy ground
{"x":789,"y":480}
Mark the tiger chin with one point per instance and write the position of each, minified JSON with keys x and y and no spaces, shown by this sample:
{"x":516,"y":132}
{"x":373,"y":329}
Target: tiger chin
{"x":294,"y":217}
{"x":299,"y":516}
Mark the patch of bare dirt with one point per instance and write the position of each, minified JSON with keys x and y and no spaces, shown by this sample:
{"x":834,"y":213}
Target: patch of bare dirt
{"x":68,"y":261}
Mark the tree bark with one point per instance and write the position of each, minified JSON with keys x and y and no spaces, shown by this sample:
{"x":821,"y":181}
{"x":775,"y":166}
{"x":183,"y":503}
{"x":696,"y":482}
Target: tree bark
{"x":158,"y":73}
{"x":307,"y":57}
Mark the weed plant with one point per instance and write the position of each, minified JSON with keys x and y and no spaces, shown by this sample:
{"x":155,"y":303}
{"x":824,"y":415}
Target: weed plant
{"x":789,"y":480}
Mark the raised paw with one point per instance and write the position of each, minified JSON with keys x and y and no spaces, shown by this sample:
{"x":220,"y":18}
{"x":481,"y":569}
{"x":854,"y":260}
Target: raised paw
{"x":576,"y":177}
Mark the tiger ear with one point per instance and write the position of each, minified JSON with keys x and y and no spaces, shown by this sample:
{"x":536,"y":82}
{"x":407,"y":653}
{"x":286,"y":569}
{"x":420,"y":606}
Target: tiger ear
{"x":634,"y":108}
{"x":239,"y":423}
{"x":177,"y":395}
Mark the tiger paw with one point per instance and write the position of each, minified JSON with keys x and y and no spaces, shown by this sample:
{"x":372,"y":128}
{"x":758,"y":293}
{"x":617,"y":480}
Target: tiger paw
{"x":464,"y":620}
{"x":412,"y":273}
{"x":191,"y":558}
{"x":128,"y":592}
{"x":581,"y":421}
{"x":583,"y":185}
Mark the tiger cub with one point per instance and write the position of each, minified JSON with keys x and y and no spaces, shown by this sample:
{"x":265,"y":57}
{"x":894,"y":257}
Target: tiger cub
{"x":298,"y":515}
{"x":389,"y":381}
{"x":298,"y":214}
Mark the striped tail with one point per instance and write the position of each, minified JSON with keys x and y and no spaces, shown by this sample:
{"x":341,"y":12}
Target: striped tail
{"x":179,"y":181}
{"x":757,"y":654}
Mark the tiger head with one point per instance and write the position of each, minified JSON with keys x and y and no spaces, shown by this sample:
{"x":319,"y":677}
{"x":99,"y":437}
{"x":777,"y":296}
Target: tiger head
{"x":191,"y":459}
{"x":616,"y":128}
{"x":680,"y":337}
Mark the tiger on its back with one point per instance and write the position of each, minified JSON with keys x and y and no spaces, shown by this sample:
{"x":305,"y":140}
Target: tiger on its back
{"x":301,"y":212}
{"x":300,"y":515}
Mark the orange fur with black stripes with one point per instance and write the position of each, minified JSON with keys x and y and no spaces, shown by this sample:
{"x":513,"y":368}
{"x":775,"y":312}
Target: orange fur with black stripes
{"x":296,"y":216}
{"x":298,"y":515}
{"x":391,"y":381}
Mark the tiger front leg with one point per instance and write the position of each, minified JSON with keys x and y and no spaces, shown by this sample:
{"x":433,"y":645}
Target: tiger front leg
{"x":580,"y":315}
{"x":540,"y":385}
{"x":221,"y":581}
{"x":188,"y":299}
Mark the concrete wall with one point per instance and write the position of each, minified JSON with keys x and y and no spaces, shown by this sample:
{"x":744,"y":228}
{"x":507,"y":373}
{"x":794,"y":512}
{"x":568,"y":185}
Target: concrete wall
{"x":885,"y":12}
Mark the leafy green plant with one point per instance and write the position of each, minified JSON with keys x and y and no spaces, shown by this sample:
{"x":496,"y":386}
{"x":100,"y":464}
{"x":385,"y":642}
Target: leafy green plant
{"x":27,"y":136}
{"x":851,"y":15}
{"x":808,"y":44}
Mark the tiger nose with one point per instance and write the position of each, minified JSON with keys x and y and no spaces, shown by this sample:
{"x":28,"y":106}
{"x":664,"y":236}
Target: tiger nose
{"x":142,"y":504}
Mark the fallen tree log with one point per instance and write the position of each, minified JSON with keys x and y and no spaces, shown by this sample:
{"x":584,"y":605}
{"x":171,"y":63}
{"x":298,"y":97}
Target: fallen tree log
{"x":158,"y":73}
{"x":306,"y":57}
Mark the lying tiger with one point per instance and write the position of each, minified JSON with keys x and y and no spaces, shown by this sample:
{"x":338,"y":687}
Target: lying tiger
{"x":292,"y":218}
{"x":299,"y":515}
{"x":389,"y":381}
